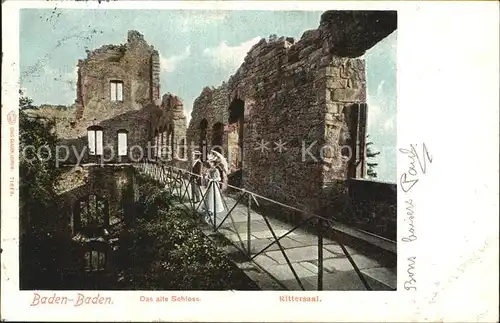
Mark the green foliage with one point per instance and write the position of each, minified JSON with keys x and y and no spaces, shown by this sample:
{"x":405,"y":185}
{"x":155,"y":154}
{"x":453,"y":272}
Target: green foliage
{"x":37,"y":171}
{"x":37,"y":197}
{"x":151,"y":199}
{"x":167,"y":251}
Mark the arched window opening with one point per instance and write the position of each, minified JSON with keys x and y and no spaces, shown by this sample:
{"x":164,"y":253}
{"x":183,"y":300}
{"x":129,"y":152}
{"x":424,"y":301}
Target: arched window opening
{"x":236,"y":111}
{"x":171,"y":142}
{"x":95,"y":140}
{"x":95,"y":260}
{"x":217,"y":136}
{"x":203,"y":139}
{"x":156,"y":143}
{"x":162,"y":142}
{"x":122,"y":142}
{"x":146,"y":156}
{"x":91,"y":215}
{"x":165,"y":144}
{"x":235,"y":134}
{"x":182,"y":149}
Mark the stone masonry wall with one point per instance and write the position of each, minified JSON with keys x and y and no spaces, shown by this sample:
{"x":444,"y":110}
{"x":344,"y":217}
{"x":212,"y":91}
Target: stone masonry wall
{"x":130,"y":63}
{"x":137,"y":65}
{"x":134,"y":64}
{"x":140,"y":113}
{"x":296,"y":92}
{"x":113,"y":183}
{"x":169,"y":129}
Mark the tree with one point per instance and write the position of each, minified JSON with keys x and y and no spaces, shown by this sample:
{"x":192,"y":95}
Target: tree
{"x":37,"y":197}
{"x":38,"y":175}
{"x":370,"y":154}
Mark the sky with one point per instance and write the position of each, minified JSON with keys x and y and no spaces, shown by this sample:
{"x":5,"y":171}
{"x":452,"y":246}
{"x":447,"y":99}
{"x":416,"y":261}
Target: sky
{"x":197,"y":49}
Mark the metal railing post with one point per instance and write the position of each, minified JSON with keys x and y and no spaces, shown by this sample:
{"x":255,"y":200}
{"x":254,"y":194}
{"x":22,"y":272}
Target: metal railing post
{"x":249,"y":225}
{"x":215,"y":205}
{"x":320,"y":255}
{"x":168,"y":174}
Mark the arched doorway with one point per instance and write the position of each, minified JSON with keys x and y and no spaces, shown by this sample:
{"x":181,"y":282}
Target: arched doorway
{"x":235,"y":135}
{"x":217,"y":137}
{"x":91,"y":226}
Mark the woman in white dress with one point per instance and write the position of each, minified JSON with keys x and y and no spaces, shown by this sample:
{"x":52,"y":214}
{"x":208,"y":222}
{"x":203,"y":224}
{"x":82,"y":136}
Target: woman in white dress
{"x":221,"y":164}
{"x":213,"y":199}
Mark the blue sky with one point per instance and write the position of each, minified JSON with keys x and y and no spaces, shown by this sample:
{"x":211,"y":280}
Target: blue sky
{"x":197,"y":49}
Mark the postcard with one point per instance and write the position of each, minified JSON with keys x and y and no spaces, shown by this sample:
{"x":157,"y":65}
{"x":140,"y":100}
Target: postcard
{"x":249,"y":161}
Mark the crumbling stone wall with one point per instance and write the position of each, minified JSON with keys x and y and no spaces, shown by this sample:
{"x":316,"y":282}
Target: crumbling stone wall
{"x":113,"y":183}
{"x":140,"y":113}
{"x":169,"y":131}
{"x":212,"y":107}
{"x":130,"y":63}
{"x":296,"y":92}
{"x":136,"y":64}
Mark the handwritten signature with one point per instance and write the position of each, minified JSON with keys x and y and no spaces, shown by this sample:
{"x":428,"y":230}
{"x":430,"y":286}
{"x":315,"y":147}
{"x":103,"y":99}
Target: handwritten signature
{"x":409,"y":283}
{"x":410,"y":178}
{"x":410,"y":210}
{"x":417,"y":167}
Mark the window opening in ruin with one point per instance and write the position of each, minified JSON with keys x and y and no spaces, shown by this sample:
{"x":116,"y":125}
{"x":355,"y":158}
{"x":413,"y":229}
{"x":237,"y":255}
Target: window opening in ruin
{"x":235,"y":134}
{"x":157,"y":145}
{"x":116,"y":91}
{"x":203,"y":139}
{"x":161,"y":141}
{"x":171,"y":147}
{"x":95,"y":260}
{"x":182,"y":149}
{"x":95,"y":140}
{"x":217,"y":136}
{"x":91,"y":215}
{"x":122,"y":142}
{"x":165,"y":143}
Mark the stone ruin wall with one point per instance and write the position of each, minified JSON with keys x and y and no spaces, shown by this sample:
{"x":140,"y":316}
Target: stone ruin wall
{"x":169,"y":131}
{"x":131,"y":63}
{"x":113,"y":183}
{"x":137,"y":65}
{"x":297,"y":92}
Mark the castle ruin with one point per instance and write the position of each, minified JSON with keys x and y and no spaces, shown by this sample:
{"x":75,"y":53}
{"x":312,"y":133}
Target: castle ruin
{"x":292,"y":119}
{"x":309,"y":96}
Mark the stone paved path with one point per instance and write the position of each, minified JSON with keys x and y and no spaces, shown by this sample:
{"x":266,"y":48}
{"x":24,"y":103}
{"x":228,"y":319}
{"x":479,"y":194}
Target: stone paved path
{"x":302,"y":250}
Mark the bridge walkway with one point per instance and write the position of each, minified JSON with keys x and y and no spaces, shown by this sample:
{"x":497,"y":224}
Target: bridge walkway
{"x":263,"y":246}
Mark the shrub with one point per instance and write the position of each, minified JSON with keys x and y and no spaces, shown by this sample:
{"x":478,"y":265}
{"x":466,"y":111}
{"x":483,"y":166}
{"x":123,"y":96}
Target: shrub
{"x":167,"y":251}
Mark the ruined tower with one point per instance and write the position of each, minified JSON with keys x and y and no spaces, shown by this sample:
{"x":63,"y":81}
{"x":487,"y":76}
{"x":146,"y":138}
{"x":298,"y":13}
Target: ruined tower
{"x":114,"y":79}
